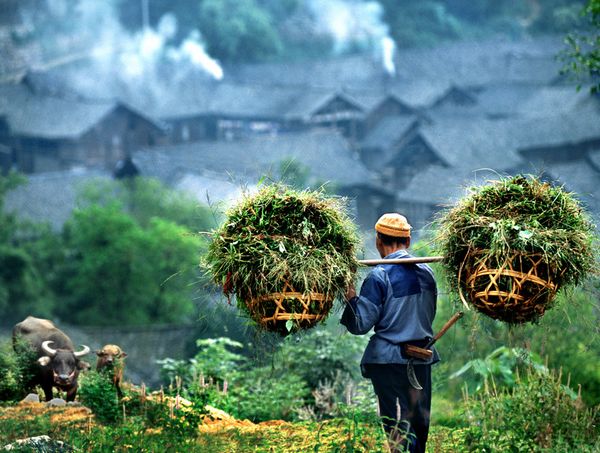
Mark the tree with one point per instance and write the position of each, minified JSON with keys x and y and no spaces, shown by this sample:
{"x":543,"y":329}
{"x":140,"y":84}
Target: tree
{"x":583,"y":56}
{"x":420,"y":23}
{"x":238,"y":30}
{"x":120,"y":273}
{"x":145,"y":199}
{"x":22,"y":291}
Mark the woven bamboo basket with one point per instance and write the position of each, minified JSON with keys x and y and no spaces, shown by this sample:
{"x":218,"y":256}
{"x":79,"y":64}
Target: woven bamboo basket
{"x":305,"y":309}
{"x":516,"y":290}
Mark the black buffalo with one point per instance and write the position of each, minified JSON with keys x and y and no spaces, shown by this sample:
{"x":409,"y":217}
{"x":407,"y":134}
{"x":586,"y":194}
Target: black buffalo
{"x":58,"y":363}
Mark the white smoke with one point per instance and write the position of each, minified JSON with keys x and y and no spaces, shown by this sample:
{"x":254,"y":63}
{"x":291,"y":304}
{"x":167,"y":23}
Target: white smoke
{"x":355,"y":24}
{"x":388,"y":47}
{"x":118,"y":63}
{"x":193,"y":50}
{"x":143,"y":54}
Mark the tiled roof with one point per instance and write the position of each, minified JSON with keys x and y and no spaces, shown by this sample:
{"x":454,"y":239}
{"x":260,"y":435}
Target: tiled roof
{"x":324,"y":152}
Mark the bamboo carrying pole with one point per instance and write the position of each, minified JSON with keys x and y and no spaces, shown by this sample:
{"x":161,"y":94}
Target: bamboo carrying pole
{"x":415,"y":260}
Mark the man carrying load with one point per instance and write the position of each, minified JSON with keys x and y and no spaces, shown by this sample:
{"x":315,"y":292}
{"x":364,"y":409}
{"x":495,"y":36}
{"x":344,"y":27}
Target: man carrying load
{"x":399,"y":302}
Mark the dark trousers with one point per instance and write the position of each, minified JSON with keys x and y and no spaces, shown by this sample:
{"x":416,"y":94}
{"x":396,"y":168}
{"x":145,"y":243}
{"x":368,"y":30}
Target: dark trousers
{"x":404,"y":410}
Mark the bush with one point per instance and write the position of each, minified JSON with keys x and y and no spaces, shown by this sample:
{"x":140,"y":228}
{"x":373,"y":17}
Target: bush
{"x":16,"y":370}
{"x":538,"y":414}
{"x":321,"y":354}
{"x":260,"y":395}
{"x":97,"y":392}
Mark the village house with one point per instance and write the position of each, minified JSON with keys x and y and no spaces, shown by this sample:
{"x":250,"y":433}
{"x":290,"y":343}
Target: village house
{"x":49,"y":133}
{"x":323,"y":157}
{"x":221,"y":111}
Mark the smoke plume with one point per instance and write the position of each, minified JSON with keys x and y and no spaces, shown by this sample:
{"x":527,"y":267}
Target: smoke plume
{"x":355,"y":24}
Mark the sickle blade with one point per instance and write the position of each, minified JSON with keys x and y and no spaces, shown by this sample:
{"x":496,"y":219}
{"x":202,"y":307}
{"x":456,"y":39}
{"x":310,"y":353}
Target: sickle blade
{"x":412,"y":378}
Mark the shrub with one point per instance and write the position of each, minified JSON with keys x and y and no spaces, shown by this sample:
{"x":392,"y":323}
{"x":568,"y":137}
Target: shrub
{"x":97,"y":392}
{"x":16,"y":370}
{"x":538,"y":414}
{"x":260,"y":395}
{"x":321,"y":354}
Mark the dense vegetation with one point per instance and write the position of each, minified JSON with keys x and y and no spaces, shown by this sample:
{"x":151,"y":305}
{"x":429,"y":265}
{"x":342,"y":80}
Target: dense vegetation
{"x":527,"y":388}
{"x":523,"y":388}
{"x":128,"y":255}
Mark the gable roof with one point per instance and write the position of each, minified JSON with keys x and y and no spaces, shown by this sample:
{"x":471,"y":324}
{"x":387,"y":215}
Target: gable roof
{"x":455,"y":96}
{"x":389,"y":130}
{"x":553,"y":131}
{"x":49,"y":117}
{"x":554,"y":100}
{"x":251,"y":101}
{"x":470,"y":144}
{"x":325,"y":153}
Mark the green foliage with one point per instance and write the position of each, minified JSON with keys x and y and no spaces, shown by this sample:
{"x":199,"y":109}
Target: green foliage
{"x":435,"y":21}
{"x":518,"y":214}
{"x":16,"y":370}
{"x":122,"y":273}
{"x":238,"y":30}
{"x":321,"y":354}
{"x":502,"y":365}
{"x":582,"y":58}
{"x":97,"y":392}
{"x":357,"y":429}
{"x":536,"y":415}
{"x":130,"y":435}
{"x":176,"y":416}
{"x":214,"y":359}
{"x":22,"y":291}
{"x":261,"y":394}
{"x":420,"y":23}
{"x":145,"y":199}
{"x":282,"y":235}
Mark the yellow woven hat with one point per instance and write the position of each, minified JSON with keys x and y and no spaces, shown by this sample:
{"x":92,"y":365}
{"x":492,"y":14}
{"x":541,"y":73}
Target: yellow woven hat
{"x":393,"y":224}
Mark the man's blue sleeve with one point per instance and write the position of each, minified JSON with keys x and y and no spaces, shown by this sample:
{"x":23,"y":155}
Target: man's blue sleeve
{"x":363,"y":312}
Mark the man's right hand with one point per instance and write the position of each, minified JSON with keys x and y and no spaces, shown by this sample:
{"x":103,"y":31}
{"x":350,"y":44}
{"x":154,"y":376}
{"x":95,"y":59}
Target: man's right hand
{"x":350,"y":292}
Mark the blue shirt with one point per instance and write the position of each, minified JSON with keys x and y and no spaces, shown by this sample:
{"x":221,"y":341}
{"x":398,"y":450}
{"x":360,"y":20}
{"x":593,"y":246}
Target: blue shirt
{"x":399,"y":301}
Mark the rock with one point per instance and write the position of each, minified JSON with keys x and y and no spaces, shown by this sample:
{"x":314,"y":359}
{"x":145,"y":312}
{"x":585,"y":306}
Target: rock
{"x":56,"y":402}
{"x":39,"y":444}
{"x":31,"y":398}
{"x":74,"y":404}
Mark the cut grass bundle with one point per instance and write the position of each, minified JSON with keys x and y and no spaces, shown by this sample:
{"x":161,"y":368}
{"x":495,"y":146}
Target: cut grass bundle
{"x":513,"y":244}
{"x":286,"y":255}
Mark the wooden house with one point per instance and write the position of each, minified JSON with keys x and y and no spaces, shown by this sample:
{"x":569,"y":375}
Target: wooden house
{"x":50,"y":133}
{"x":222,"y":111}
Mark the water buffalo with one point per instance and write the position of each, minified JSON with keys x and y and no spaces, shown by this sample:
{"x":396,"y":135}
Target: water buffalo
{"x":58,"y":363}
{"x":111,"y":358}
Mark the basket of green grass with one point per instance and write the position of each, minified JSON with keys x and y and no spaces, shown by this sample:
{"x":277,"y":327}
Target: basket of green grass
{"x":510,"y":245}
{"x":286,"y":255}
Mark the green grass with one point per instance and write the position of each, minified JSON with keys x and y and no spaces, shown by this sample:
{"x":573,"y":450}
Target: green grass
{"x":519,"y":214}
{"x":281,"y":235}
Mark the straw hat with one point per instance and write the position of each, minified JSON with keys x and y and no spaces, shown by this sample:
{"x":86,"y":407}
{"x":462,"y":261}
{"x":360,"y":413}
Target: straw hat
{"x":393,"y":224}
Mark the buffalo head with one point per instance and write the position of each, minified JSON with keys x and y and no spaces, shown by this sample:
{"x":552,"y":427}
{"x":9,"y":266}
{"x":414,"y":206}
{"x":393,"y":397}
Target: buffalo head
{"x":109,"y":355}
{"x":65,"y":364}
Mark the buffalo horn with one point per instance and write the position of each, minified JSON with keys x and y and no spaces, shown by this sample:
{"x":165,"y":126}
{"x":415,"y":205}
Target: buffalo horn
{"x":47,"y":349}
{"x":83,"y":352}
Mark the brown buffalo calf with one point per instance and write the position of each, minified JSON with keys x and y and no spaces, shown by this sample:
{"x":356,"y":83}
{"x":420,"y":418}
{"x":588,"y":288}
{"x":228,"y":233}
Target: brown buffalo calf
{"x":111,"y":358}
